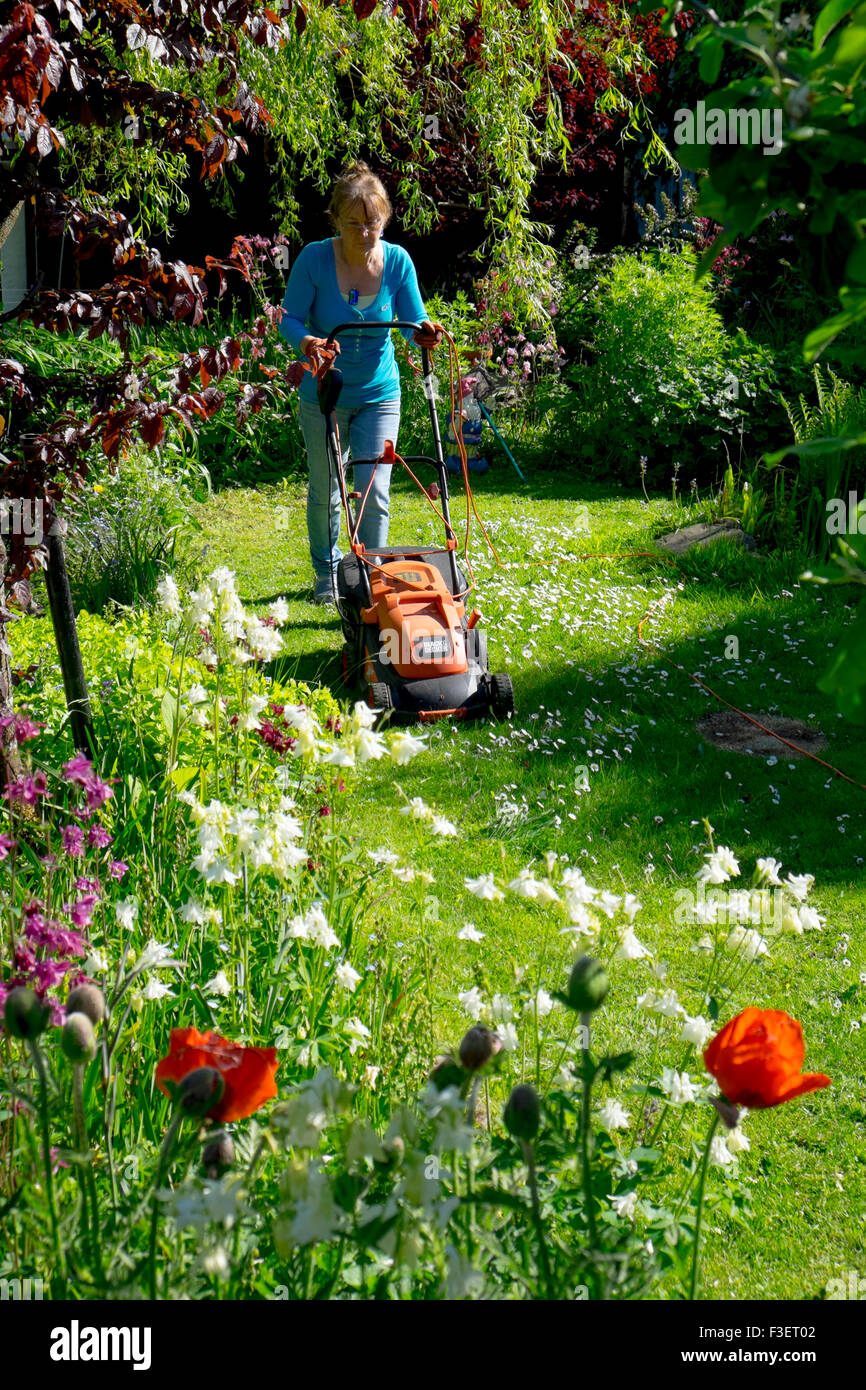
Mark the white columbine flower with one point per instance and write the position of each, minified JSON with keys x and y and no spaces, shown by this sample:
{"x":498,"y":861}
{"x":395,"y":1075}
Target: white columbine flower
{"x":369,"y":745}
{"x":630,"y":906}
{"x":609,"y":903}
{"x":417,"y":809}
{"x":405,"y":747}
{"x":720,"y":1154}
{"x":809,"y":918}
{"x":279,"y":611}
{"x":359,"y":1034}
{"x":340,"y":755}
{"x":220,"y":984}
{"x":196,"y":695}
{"x":769,"y":871}
{"x":666,"y":1004}
{"x":383,"y":856}
{"x":501,"y":1008}
{"x":440,"y":826}
{"x":320,"y":933}
{"x":155,"y":989}
{"x":719,"y":866}
{"x":223,"y":580}
{"x":614,"y":1116}
{"x":155,"y":956}
{"x":525,"y":885}
{"x":346,"y":977}
{"x":169,"y":596}
{"x":469,"y":932}
{"x":507,"y":1034}
{"x":696,"y":1031}
{"x":201,"y":604}
{"x":540,"y":1005}
{"x":678,"y":1086}
{"x":192,"y":911}
{"x":624,"y":1205}
{"x":630,"y":948}
{"x":737,"y":1141}
{"x":472,"y":1002}
{"x":799,"y":885}
{"x":748,"y":941}
{"x":484,"y":887}
{"x":126,"y":912}
{"x":363,"y":716}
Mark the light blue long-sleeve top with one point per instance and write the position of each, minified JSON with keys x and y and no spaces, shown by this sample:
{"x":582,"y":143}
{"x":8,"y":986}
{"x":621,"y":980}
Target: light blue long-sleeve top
{"x":314,"y":304}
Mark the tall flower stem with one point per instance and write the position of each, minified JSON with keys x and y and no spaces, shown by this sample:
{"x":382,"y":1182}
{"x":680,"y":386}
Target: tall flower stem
{"x":88,"y":1185}
{"x":39,"y":1063}
{"x":585,"y":1120}
{"x":693,"y":1284}
{"x":529,"y":1155}
{"x":165,"y":1154}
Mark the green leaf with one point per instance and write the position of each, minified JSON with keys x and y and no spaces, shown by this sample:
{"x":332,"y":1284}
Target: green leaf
{"x":827,"y":19}
{"x":824,"y":334}
{"x":493,"y":1197}
{"x":855,"y":268}
{"x":712,"y":52}
{"x":183,"y":776}
{"x":851,"y":47}
{"x":620,"y":1061}
{"x":169,"y":707}
{"x":846,"y":677}
{"x":816,"y":448}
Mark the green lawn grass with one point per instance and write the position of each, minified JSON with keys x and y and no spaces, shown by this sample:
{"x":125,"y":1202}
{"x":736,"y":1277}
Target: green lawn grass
{"x":589,"y":696}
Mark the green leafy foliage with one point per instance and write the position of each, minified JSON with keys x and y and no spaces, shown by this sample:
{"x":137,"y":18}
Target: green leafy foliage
{"x":661,"y":376}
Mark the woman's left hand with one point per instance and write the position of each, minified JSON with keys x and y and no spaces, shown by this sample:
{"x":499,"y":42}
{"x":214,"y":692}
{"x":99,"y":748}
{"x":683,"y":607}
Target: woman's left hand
{"x":428,"y":335}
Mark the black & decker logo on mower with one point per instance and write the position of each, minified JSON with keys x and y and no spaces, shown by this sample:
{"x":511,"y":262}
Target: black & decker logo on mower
{"x":405,"y":648}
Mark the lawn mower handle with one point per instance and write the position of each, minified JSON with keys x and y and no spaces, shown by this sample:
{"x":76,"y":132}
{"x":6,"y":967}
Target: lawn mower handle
{"x":373,"y":323}
{"x":429,"y":392}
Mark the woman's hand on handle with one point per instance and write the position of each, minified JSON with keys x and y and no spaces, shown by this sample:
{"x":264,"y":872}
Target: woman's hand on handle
{"x":320,"y":353}
{"x":428,"y":335}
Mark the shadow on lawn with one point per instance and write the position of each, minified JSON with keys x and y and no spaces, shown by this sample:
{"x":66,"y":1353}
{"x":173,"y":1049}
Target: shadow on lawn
{"x":793,"y":808}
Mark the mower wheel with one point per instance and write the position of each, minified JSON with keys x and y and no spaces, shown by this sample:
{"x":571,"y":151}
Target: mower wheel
{"x":501,"y":696}
{"x":380,"y":697}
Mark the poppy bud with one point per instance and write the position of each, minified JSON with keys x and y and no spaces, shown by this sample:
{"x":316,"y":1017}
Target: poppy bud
{"x":200,"y":1091}
{"x":78,"y":1038}
{"x":588,"y":985}
{"x":24,"y":1014}
{"x":446,"y":1073}
{"x":478,"y":1046}
{"x":89,"y":1000}
{"x":218,"y":1154}
{"x":523,"y":1112}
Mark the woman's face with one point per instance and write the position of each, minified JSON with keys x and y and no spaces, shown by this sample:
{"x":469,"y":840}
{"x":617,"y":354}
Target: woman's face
{"x":360,"y":228}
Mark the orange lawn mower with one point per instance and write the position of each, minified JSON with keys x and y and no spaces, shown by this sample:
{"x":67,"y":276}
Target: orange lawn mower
{"x":408,"y":636}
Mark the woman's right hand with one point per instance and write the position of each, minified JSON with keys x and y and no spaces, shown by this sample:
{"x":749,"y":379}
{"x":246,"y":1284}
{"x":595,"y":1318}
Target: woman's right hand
{"x":320,"y":352}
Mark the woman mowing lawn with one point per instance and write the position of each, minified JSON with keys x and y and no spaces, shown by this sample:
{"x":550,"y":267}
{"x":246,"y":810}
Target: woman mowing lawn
{"x":354,"y":275}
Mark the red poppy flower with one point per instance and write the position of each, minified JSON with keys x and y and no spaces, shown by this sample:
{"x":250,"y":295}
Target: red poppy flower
{"x":757,"y":1060}
{"x":247,"y":1072}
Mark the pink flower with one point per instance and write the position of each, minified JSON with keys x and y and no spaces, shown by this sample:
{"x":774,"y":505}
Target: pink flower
{"x":117,"y":868}
{"x":27,"y":789}
{"x":73,"y":840}
{"x":78,"y":770}
{"x":23,"y":727}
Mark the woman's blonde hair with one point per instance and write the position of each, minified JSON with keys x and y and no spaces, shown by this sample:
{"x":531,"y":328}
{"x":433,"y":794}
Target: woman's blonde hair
{"x":358,"y":184}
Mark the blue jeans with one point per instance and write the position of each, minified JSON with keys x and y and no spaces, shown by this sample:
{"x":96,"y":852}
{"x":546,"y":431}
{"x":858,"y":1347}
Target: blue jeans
{"x":363,"y":431}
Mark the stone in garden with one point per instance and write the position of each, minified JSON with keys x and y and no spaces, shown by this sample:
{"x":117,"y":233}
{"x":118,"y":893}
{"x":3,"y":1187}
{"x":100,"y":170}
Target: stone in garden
{"x":730,"y":731}
{"x":703,"y":533}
